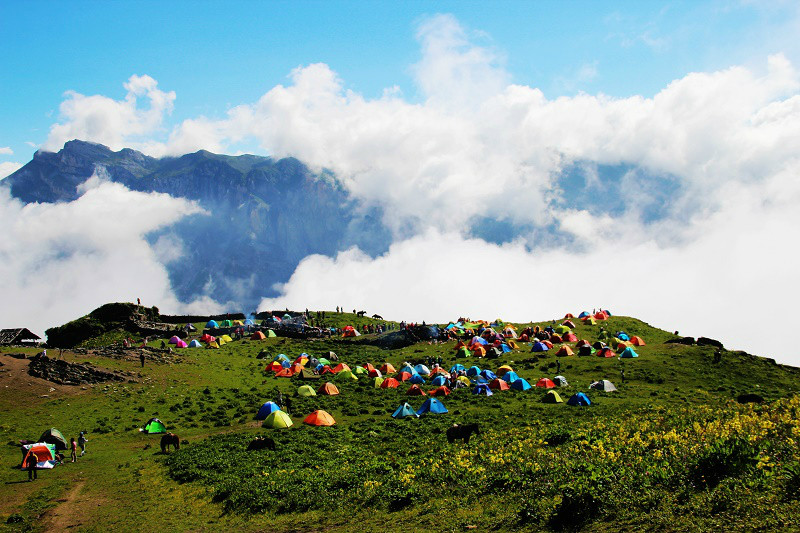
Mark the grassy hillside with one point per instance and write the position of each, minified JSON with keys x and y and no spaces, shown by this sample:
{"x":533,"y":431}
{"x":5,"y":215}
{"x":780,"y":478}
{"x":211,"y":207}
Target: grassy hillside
{"x":671,"y":450}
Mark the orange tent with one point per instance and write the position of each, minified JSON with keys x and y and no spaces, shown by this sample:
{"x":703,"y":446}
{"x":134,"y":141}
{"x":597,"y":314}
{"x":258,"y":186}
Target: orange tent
{"x":274,"y":366}
{"x":415,"y":391}
{"x":319,"y":418}
{"x":554,"y":338}
{"x":637,"y":341}
{"x":284,"y":373}
{"x":340,"y":367}
{"x":257,"y":336}
{"x":569,"y":315}
{"x":582,"y":342}
{"x":369,"y":367}
{"x":569,"y":337}
{"x":503,"y":369}
{"x":387,"y":368}
{"x":296,"y":368}
{"x":328,"y":388}
{"x":479,"y":351}
{"x":440,"y":391}
{"x":390,"y":383}
{"x":605,"y":352}
{"x":564,"y":350}
{"x":326,"y":370}
{"x":498,"y":384}
{"x":404,"y":376}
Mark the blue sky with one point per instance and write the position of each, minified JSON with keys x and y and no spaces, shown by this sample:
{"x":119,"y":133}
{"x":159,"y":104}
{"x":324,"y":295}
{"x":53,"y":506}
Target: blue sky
{"x":637,"y":152}
{"x":218,"y":54}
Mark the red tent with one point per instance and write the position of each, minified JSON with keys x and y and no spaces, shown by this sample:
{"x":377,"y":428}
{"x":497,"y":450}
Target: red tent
{"x":329,"y":389}
{"x":414,"y":390}
{"x":390,"y":383}
{"x":546,"y":383}
{"x":319,"y":418}
{"x":440,"y":391}
{"x":387,"y":368}
{"x":498,"y":384}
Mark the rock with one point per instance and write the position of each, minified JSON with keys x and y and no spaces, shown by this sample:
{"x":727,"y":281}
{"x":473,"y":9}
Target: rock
{"x":64,"y":373}
{"x":688,"y":341}
{"x":705,"y":341}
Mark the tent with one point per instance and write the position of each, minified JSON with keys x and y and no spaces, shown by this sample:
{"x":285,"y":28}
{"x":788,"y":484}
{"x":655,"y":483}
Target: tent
{"x":415,"y":390}
{"x":266,"y":409}
{"x":212,"y":324}
{"x":440,"y":391}
{"x":404,"y":376}
{"x":569,"y":337}
{"x":404,"y":411}
{"x":306,"y":390}
{"x":347,"y":374}
{"x":284,"y":373}
{"x":579,"y":399}
{"x":637,"y":341}
{"x":277,"y":420}
{"x":552,"y":397}
{"x":457,"y":368}
{"x":416,"y":379}
{"x":328,"y":389}
{"x":270,"y":334}
{"x":556,"y":339}
{"x":195,"y":344}
{"x":621,"y":335}
{"x":341,"y":367}
{"x":375,"y":373}
{"x":585,"y":350}
{"x":539,"y":347}
{"x":207,"y":338}
{"x":564,"y":351}
{"x":583,"y":314}
{"x":213,"y":344}
{"x":389,"y":383}
{"x":482,"y":388}
{"x":378,"y":382}
{"x":603,"y":385}
{"x":387,"y":368}
{"x":488,"y":374}
{"x":546,"y":383}
{"x":561,"y":329}
{"x":463,"y":352}
{"x":174,"y":340}
{"x":498,"y":384}
{"x":257,"y":336}
{"x":432,"y":405}
{"x":605,"y":352}
{"x":438,"y":381}
{"x":520,"y":384}
{"x":510,"y":377}
{"x":561,"y":381}
{"x":628,"y":353}
{"x":473,"y":371}
{"x":422,"y":369}
{"x":568,"y":323}
{"x":359,"y":370}
{"x":45,"y":451}
{"x":153,"y":426}
{"x":319,"y":418}
{"x":408,"y":369}
{"x":590,"y":320}
{"x":479,"y":351}
{"x":350,"y":331}
{"x":54,"y":437}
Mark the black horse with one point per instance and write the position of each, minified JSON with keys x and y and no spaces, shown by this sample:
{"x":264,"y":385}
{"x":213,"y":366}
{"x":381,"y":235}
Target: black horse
{"x":261,"y":443}
{"x":170,"y":439}
{"x":361,"y":314}
{"x":377,"y":317}
{"x":462,"y":432}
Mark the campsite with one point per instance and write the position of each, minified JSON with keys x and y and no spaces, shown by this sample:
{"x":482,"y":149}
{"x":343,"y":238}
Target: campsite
{"x":593,"y":432}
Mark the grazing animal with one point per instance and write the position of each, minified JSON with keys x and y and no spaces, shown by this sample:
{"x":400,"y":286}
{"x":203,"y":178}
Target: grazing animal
{"x":170,"y":439}
{"x":361,"y":313}
{"x":462,"y":432}
{"x":261,"y":443}
{"x":377,"y":317}
{"x":749,"y":398}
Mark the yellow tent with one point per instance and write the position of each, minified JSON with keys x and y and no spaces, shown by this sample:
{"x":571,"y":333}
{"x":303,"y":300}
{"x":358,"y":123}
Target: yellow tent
{"x":277,"y":420}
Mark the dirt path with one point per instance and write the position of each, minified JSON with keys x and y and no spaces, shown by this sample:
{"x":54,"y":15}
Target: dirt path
{"x":70,"y":512}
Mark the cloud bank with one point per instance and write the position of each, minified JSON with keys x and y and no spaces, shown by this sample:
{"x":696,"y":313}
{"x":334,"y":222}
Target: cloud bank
{"x":692,"y":228}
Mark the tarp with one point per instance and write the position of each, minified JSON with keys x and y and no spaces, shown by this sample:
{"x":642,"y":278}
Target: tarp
{"x":278,"y":420}
{"x":404,"y":411}
{"x":432,"y":405}
{"x":319,"y":418}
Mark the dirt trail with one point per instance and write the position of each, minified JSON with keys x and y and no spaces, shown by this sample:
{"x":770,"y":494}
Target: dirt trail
{"x":70,"y":512}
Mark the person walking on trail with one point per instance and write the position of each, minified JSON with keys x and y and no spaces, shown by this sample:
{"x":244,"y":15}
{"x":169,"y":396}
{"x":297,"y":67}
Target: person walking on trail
{"x":82,"y":440}
{"x":30,"y":463}
{"x":74,"y":447}
{"x":141,"y":358}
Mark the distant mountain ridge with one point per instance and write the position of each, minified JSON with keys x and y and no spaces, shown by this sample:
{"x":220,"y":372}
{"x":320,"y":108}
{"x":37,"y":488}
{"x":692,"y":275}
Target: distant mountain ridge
{"x":266,"y":215}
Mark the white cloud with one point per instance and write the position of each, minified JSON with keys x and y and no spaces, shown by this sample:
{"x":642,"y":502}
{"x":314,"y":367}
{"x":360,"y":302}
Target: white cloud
{"x":5,"y":150}
{"x":66,"y":259}
{"x":115,"y":123}
{"x":9,"y":167}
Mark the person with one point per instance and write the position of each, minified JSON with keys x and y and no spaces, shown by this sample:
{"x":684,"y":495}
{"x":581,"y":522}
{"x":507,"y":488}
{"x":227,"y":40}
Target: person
{"x":622,"y":373}
{"x":74,"y":446}
{"x":558,"y":367}
{"x":141,"y":358}
{"x":288,"y":401}
{"x":44,"y":352}
{"x":163,"y":344}
{"x":30,"y":462}
{"x":279,"y":400}
{"x":82,"y":440}
{"x":61,"y":353}
{"x":138,"y":301}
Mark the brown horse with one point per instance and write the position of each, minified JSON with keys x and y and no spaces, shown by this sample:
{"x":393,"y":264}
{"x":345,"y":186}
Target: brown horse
{"x":462,"y":432}
{"x":170,"y":438}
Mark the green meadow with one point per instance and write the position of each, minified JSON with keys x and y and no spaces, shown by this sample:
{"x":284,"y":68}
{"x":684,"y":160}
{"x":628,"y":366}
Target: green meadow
{"x":671,"y":450}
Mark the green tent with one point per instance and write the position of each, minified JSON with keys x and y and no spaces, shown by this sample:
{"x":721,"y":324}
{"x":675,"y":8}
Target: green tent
{"x":347,"y":374}
{"x":360,"y":370}
{"x":270,"y":333}
{"x":54,"y":437}
{"x":278,"y":420}
{"x":561,"y":329}
{"x":323,"y":361}
{"x":154,"y":425}
{"x":378,"y":382}
{"x":306,"y":390}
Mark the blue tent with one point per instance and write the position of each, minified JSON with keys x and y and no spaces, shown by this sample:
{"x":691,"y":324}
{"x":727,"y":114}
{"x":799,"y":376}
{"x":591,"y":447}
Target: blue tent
{"x":520,"y":384}
{"x":416,"y":379}
{"x":266,"y":409}
{"x":480,"y":340}
{"x":606,"y":311}
{"x":409,"y":369}
{"x":432,"y":405}
{"x":583,"y":314}
{"x":549,"y":329}
{"x":621,"y":335}
{"x":482,"y":388}
{"x":439,"y":380}
{"x":510,"y":377}
{"x":457,"y":368}
{"x":249,"y":322}
{"x":281,"y":357}
{"x":195,"y":344}
{"x":286,"y":364}
{"x":488,"y":374}
{"x":505,"y":348}
{"x":578,"y":399}
{"x":212,"y":324}
{"x":479,"y":379}
{"x":628,"y":353}
{"x":539,"y":347}
{"x":404,"y":411}
{"x":473,"y":371}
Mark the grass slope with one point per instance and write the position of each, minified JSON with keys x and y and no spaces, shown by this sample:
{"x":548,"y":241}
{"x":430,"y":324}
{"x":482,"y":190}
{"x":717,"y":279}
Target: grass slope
{"x":671,"y":450}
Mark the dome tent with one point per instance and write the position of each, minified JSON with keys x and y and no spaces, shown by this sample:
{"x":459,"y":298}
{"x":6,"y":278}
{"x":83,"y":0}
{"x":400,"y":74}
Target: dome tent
{"x":154,"y":426}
